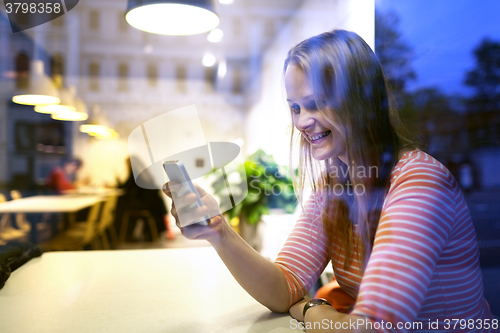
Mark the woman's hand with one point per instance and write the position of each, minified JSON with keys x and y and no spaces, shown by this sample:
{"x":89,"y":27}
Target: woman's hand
{"x":297,"y":310}
{"x":182,"y":212}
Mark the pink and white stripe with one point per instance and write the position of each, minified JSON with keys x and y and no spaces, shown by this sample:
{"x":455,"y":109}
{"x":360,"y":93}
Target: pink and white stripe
{"x":425,"y":260}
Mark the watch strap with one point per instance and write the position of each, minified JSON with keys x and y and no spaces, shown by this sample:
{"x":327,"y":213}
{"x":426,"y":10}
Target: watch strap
{"x":313,"y":303}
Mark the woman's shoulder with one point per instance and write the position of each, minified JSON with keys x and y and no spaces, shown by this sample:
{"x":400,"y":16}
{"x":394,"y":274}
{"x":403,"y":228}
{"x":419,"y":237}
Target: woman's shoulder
{"x":421,"y":164}
{"x":415,"y":159}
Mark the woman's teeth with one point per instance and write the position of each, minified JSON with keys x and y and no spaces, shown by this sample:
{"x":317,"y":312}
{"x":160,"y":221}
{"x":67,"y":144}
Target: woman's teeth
{"x":319,"y":136}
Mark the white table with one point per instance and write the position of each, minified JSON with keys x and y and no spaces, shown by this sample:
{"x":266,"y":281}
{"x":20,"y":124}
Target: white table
{"x":169,"y":290}
{"x":41,"y":204}
{"x":95,"y":191}
{"x":50,"y":204}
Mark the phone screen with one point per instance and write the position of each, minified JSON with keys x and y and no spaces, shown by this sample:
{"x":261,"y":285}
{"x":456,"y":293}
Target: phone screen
{"x":177,"y":172}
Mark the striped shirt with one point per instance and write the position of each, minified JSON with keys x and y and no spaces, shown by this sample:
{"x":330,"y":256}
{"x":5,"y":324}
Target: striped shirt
{"x":424,"y":265}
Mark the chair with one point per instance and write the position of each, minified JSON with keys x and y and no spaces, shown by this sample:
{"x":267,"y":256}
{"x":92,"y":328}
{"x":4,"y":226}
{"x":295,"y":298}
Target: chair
{"x":21,"y":222}
{"x":78,"y":235}
{"x":106,"y":223}
{"x":138,"y":213}
{"x":7,"y":231}
{"x":43,"y":229}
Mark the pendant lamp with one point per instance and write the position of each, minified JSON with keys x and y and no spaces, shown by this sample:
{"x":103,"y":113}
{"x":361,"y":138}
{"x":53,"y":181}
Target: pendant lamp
{"x":110,"y":134}
{"x":66,"y":103}
{"x":77,"y":113}
{"x":41,"y":89}
{"x":95,"y":125}
{"x":172,"y":17}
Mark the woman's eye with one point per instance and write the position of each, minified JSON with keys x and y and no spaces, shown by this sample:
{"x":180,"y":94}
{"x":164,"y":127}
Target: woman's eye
{"x":312,"y":106}
{"x":295,"y":108}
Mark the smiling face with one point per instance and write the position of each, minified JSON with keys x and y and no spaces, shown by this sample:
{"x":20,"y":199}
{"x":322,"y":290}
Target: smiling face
{"x":325,"y":139}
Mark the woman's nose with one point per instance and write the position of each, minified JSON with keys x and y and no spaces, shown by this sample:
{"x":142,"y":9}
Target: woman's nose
{"x":305,"y":120}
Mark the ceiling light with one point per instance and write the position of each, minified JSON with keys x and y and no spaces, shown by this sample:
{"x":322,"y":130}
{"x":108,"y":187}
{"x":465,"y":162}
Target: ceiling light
{"x":49,"y":109}
{"x":110,"y":134}
{"x":68,"y":115}
{"x":215,"y":36}
{"x":222,"y":69}
{"x":95,"y":126}
{"x":93,"y":129}
{"x":169,"y":17}
{"x":208,"y":60}
{"x":66,"y":103}
{"x":41,"y":89}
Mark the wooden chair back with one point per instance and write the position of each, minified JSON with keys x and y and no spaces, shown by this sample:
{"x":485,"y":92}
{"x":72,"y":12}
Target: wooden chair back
{"x":91,"y":226}
{"x":21,"y":221}
{"x":108,"y":213}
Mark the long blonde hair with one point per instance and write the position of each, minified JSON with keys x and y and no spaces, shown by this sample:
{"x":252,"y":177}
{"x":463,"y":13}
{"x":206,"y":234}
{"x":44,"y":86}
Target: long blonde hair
{"x":351,"y":93}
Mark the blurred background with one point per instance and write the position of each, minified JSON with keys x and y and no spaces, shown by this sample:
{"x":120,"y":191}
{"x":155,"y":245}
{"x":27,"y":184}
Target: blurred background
{"x":442,"y":59}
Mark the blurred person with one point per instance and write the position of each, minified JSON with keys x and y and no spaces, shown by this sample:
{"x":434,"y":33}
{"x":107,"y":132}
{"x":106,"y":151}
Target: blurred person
{"x":139,"y":198}
{"x":62,"y":178}
{"x":399,"y":237}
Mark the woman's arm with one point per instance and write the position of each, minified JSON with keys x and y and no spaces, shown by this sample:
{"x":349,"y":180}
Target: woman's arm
{"x":415,"y":227}
{"x":325,"y":318}
{"x":261,"y":278}
{"x":298,"y":266}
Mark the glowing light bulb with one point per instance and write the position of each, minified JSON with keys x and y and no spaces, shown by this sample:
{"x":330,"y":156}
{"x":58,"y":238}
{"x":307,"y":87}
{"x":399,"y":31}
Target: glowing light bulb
{"x":172,"y":19}
{"x":208,"y":60}
{"x":54,"y":108}
{"x":215,"y":36}
{"x":70,"y":115}
{"x":35,"y":99}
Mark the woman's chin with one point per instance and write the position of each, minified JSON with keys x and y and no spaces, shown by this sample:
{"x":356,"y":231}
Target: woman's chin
{"x":321,"y":155}
{"x":324,"y":154}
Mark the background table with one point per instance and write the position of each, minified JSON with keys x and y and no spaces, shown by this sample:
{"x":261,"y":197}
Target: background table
{"x":170,"y":290}
{"x":50,"y":204}
{"x":42,"y":204}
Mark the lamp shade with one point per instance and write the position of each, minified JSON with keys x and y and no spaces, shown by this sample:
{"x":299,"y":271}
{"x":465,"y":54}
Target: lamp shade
{"x":110,"y":134}
{"x":41,"y":90}
{"x":69,"y":115}
{"x":79,"y":114}
{"x":96,"y":127}
{"x":66,"y":104}
{"x":93,"y":129}
{"x":172,"y":17}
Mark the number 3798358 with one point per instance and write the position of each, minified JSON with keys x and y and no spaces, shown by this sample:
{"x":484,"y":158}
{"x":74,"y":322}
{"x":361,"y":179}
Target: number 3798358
{"x":33,"y":7}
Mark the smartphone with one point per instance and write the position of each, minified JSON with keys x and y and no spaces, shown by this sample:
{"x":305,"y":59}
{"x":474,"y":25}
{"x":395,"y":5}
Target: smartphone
{"x":177,"y":172}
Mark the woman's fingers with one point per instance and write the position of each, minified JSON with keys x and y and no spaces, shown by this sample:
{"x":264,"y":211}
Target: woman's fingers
{"x":201,"y":190}
{"x":184,"y":207}
{"x":171,"y":187}
{"x":187,"y":217}
{"x":180,"y":201}
{"x":197,"y":231}
{"x":184,"y":201}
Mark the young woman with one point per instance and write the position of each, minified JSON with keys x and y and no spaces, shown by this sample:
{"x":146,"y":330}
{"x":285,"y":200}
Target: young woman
{"x":390,"y":218}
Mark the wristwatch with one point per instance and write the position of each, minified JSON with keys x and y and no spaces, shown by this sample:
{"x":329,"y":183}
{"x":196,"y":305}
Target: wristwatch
{"x":312,"y":303}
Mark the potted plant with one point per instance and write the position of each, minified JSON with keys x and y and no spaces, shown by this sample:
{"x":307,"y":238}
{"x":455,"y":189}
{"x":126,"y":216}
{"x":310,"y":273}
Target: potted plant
{"x":269,"y":187}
